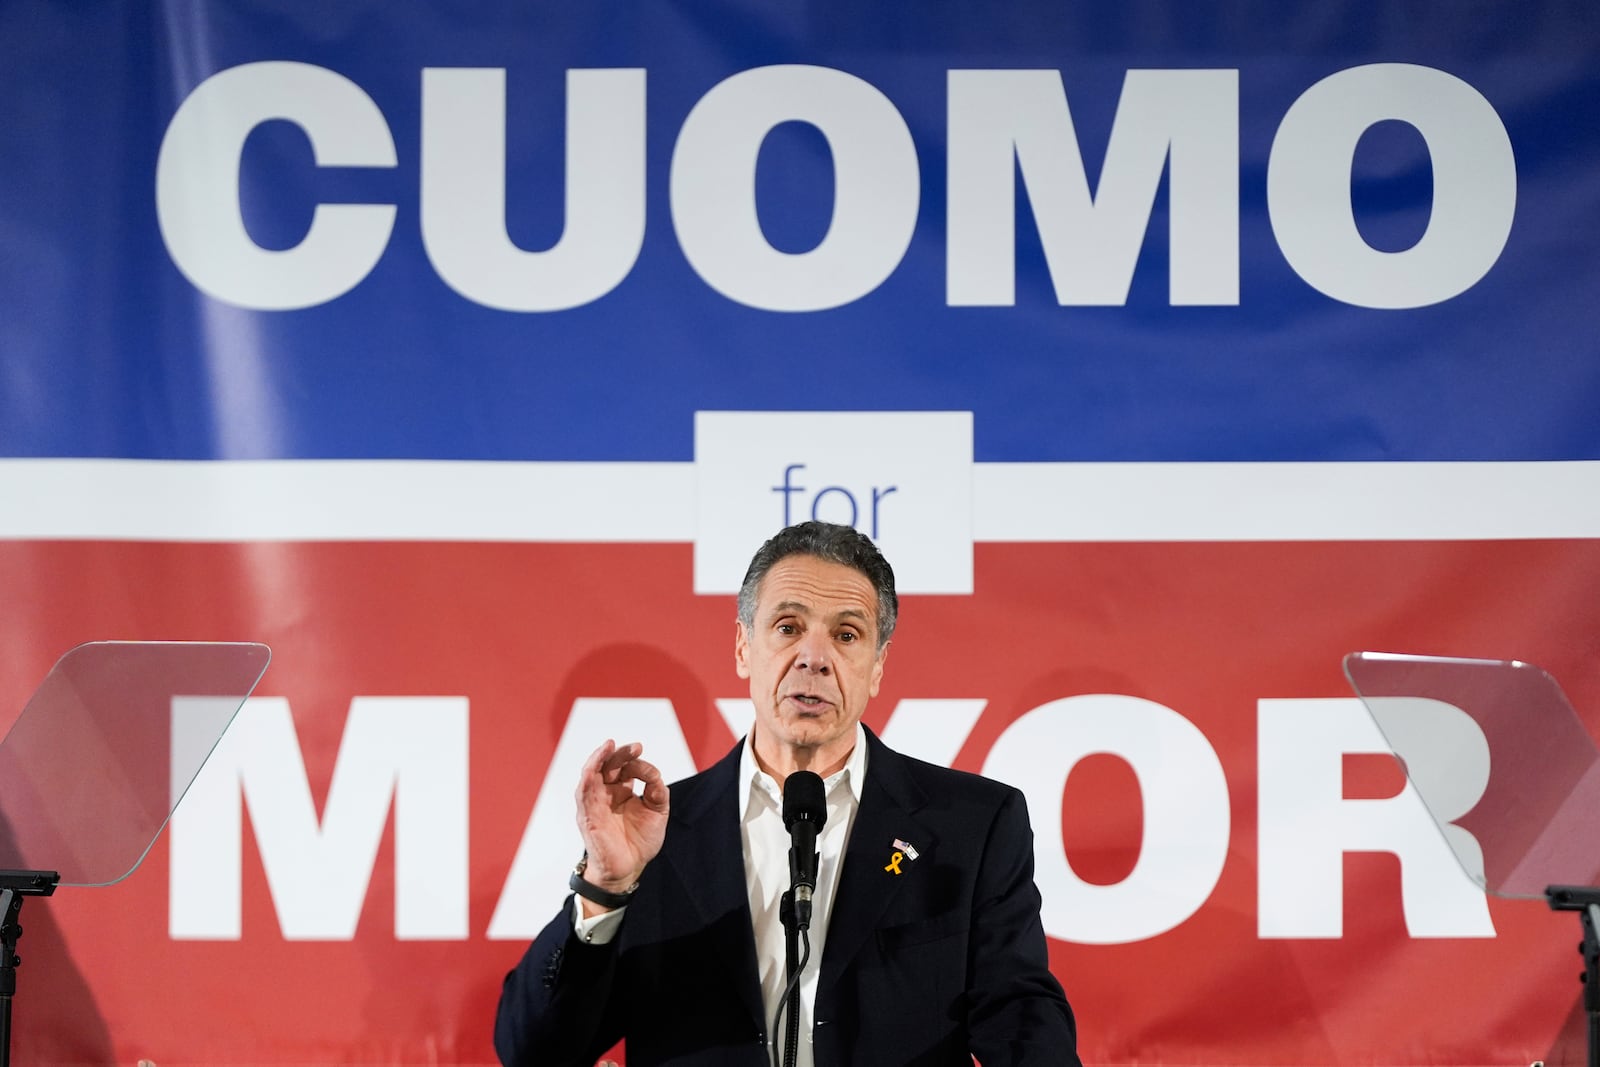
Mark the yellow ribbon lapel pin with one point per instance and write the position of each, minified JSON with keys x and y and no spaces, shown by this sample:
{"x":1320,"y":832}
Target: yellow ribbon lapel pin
{"x":902,"y":850}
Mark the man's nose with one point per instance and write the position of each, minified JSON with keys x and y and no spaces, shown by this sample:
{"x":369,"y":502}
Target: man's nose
{"x":814,"y":653}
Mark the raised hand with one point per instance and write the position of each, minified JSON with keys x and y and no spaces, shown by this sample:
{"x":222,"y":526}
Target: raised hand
{"x":622,"y":832}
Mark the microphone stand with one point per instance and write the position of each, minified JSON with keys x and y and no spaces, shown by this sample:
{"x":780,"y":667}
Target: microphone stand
{"x":791,"y":971}
{"x":805,"y":810}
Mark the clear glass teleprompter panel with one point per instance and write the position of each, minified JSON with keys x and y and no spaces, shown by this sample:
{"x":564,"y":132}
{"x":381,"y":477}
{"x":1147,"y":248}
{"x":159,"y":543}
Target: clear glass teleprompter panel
{"x":1537,"y":821}
{"x":106,"y":747}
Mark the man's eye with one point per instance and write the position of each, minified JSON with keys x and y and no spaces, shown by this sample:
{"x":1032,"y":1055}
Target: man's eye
{"x":786,"y":627}
{"x":847,"y":636}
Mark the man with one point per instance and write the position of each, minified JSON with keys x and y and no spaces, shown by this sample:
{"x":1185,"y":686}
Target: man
{"x":927,"y":946}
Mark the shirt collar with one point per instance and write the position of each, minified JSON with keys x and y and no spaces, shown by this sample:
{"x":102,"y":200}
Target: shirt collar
{"x":761,"y":784}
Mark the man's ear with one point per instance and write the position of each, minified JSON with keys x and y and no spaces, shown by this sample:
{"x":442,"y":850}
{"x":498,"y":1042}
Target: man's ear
{"x":741,"y":649}
{"x":877,"y":671}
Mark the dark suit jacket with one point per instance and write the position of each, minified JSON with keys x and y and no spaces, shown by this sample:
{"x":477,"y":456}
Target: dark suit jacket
{"x":929,"y":967}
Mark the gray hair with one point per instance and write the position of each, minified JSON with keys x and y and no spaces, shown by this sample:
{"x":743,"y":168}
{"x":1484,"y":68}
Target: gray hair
{"x":835,"y":544}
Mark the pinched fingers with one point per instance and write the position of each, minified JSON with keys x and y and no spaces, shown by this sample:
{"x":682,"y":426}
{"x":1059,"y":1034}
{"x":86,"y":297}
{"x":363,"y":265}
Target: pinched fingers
{"x":608,"y":777}
{"x":613,"y":765}
{"x":600,"y":770}
{"x":616,"y":767}
{"x":655,"y":790}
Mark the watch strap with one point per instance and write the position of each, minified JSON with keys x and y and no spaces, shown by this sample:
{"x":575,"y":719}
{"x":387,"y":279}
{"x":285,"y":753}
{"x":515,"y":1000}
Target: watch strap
{"x":589,"y":891}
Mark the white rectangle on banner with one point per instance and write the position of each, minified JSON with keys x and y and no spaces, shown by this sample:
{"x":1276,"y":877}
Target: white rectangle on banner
{"x":903,"y":478}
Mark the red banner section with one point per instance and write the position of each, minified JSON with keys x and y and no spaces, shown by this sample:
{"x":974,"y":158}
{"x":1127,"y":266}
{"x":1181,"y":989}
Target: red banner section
{"x":375,"y":845}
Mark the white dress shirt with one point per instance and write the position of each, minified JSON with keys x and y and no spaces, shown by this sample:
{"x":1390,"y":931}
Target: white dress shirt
{"x":766,"y":865}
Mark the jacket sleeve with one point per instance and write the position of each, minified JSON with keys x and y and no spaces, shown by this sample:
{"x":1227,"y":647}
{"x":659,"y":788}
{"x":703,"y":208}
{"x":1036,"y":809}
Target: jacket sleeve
{"x":555,"y":1005}
{"x":1018,"y":1015}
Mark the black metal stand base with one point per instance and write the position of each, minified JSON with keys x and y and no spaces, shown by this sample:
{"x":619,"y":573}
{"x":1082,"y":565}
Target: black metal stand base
{"x":1585,"y":900}
{"x":15,"y":887}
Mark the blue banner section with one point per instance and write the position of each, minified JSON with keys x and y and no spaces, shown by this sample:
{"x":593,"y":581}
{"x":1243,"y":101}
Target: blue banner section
{"x":1358,"y":231}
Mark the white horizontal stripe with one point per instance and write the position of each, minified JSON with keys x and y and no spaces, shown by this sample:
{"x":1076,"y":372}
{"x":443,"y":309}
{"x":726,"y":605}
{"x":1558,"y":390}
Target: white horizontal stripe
{"x":345,"y":500}
{"x":1285,"y":501}
{"x":438,"y":500}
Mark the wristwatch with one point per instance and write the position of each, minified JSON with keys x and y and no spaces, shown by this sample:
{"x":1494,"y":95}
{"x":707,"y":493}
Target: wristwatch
{"x":589,"y":891}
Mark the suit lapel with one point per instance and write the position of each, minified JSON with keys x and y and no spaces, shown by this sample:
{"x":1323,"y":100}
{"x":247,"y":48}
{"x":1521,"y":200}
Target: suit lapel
{"x":708,"y":860}
{"x":866,"y":888}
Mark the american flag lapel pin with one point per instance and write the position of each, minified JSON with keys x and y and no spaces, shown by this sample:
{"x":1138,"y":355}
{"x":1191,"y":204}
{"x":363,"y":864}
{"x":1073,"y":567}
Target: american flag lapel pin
{"x":902,"y":850}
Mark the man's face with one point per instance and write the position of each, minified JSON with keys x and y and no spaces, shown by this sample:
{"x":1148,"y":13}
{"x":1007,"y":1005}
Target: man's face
{"x":812,"y":656}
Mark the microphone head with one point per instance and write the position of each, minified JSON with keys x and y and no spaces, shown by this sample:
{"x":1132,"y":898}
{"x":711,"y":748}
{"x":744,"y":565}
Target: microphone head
{"x":804,"y":800}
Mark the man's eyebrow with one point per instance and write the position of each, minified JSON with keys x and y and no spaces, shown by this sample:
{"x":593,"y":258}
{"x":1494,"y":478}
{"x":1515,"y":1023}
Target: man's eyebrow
{"x":856,"y":617}
{"x":787,"y":607}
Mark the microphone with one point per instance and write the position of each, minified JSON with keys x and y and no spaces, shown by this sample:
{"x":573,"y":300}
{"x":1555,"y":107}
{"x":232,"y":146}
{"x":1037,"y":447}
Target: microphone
{"x":805,"y":809}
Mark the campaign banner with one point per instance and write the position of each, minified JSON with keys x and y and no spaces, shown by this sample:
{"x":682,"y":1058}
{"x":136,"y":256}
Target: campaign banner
{"x":464,"y":357}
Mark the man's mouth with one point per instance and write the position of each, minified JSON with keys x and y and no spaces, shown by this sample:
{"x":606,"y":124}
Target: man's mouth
{"x":806,"y":700}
